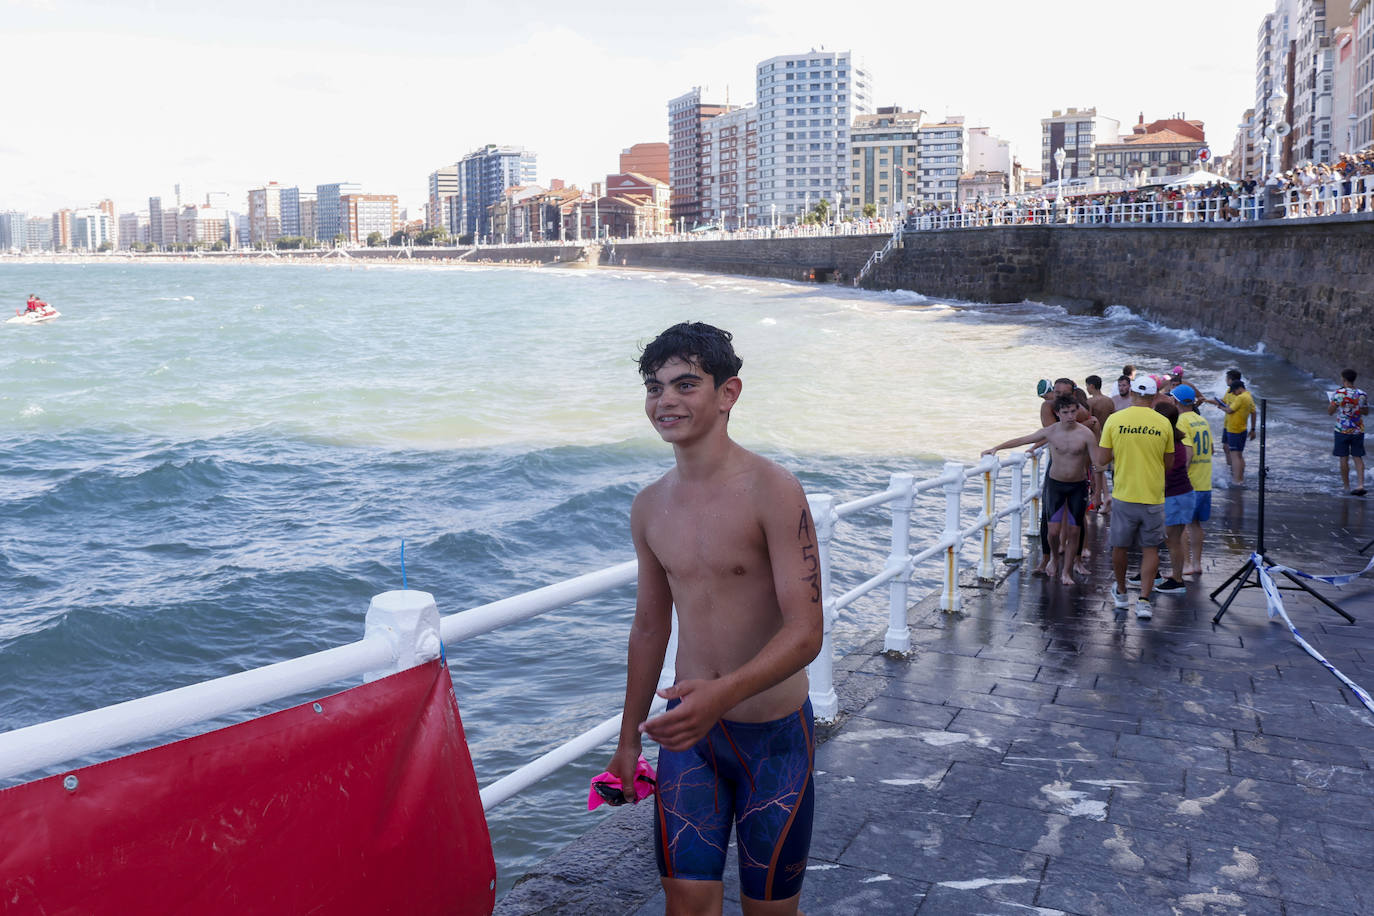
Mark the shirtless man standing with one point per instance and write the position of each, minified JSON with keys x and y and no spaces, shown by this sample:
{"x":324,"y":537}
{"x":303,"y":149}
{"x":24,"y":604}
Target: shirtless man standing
{"x":727,"y":537}
{"x":1066,"y":486}
{"x":1101,"y":407}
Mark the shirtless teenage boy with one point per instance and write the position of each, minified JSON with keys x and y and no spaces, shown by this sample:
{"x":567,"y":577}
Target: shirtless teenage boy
{"x":727,"y":537}
{"x":1101,"y":407}
{"x":1066,"y":487}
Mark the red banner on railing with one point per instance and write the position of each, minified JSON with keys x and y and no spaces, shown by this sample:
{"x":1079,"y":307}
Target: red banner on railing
{"x":362,"y":802}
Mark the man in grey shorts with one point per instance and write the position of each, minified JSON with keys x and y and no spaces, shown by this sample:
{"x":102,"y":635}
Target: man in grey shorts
{"x":1141,"y":443}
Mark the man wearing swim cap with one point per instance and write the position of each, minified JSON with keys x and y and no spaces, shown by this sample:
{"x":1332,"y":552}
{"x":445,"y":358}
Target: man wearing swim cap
{"x":725,"y":536}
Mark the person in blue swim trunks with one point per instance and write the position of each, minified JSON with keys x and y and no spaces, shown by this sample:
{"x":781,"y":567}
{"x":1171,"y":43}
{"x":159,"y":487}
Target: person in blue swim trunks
{"x":725,"y":536}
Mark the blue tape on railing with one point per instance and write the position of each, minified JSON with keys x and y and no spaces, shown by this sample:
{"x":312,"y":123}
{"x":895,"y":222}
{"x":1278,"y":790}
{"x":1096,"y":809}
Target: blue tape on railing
{"x":1271,"y":594}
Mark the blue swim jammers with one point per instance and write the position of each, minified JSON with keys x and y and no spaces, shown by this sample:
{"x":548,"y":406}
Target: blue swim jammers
{"x":754,"y":775}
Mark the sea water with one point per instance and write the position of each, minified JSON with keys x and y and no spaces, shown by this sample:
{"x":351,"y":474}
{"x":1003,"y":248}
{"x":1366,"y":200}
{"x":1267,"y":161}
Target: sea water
{"x":210,"y":467}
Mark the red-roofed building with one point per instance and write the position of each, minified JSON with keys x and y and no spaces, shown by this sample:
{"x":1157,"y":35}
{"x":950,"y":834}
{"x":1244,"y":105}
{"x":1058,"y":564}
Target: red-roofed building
{"x":1160,"y":149}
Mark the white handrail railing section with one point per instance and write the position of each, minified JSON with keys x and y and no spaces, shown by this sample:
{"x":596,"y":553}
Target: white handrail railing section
{"x":403,"y":628}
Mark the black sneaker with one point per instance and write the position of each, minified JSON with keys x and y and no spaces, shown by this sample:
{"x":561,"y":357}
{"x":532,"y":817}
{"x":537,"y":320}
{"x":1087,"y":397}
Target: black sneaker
{"x":1170,"y":585}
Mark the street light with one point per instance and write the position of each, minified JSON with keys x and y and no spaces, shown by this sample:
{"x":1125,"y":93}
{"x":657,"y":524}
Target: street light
{"x":1059,"y":157}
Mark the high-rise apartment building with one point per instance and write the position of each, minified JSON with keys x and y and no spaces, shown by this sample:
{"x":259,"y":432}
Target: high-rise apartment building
{"x":133,"y":230}
{"x":729,"y":170}
{"x":1274,"y":70}
{"x":686,"y":115}
{"x":155,"y":222}
{"x":443,"y":184}
{"x":1362,"y":106}
{"x":329,"y":215}
{"x":942,"y":156}
{"x":483,"y":176}
{"x":91,"y":230}
{"x":62,"y":230}
{"x":39,"y":232}
{"x":1077,"y":132}
{"x":364,"y":214}
{"x":297,"y":213}
{"x":13,"y":231}
{"x":1314,"y":64}
{"x":264,"y":214}
{"x":806,"y":104}
{"x":883,"y":157}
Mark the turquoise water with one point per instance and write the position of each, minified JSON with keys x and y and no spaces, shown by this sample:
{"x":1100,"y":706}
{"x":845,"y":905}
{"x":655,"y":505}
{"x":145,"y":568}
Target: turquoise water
{"x":209,"y":467}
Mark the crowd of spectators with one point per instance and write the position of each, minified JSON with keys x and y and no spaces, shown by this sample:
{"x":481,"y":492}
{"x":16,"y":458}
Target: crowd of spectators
{"x":1343,"y":186}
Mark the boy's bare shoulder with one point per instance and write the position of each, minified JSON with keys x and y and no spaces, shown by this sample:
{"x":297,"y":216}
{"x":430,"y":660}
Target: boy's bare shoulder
{"x":769,"y":476}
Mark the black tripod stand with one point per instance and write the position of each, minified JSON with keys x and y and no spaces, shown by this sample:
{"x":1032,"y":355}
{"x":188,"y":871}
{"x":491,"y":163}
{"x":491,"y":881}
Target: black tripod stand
{"x":1249,"y":568}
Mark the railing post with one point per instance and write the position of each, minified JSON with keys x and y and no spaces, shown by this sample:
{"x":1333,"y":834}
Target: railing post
{"x":1015,"y":550}
{"x":1035,"y":484}
{"x":898,"y":637}
{"x":409,"y":621}
{"x":954,"y":488}
{"x":821,"y":672}
{"x":990,"y":468}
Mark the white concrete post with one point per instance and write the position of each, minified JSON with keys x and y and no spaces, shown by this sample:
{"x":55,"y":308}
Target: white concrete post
{"x":821,"y":672}
{"x":1035,"y":486}
{"x":990,"y":468}
{"x":954,"y":487}
{"x":1015,"y":550}
{"x":409,"y":622}
{"x":898,"y":637}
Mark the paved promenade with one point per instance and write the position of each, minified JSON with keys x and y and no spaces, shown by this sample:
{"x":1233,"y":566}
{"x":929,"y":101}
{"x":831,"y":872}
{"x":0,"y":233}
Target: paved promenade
{"x":1042,"y":752}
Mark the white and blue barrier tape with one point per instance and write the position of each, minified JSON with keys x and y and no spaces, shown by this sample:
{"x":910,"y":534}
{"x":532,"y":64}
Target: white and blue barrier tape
{"x":1271,"y":593}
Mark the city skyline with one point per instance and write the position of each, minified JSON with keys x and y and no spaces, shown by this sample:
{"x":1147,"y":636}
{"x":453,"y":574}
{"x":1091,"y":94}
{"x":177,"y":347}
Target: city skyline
{"x":306,"y":94}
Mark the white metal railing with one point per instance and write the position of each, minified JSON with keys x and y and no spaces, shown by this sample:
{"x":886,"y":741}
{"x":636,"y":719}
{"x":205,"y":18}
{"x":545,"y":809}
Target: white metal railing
{"x":403,"y":628}
{"x":877,"y":257}
{"x":1328,"y":198}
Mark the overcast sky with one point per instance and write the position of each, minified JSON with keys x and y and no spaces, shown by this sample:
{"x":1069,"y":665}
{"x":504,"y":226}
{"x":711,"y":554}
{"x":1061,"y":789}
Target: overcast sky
{"x":123,"y":99}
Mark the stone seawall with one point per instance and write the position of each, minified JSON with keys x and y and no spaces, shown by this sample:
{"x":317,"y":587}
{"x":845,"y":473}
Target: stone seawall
{"x":1304,"y":290}
{"x":824,"y":259}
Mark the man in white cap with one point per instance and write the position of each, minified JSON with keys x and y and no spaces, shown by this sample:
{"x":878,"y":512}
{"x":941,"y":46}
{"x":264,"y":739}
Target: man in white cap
{"x":1141,"y":443}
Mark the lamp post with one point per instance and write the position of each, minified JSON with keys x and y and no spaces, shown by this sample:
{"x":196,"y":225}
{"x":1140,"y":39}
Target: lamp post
{"x":775,"y":217}
{"x":1059,"y":157}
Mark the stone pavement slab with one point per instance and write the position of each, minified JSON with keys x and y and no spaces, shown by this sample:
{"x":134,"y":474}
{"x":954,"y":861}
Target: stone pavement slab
{"x":1039,"y":751}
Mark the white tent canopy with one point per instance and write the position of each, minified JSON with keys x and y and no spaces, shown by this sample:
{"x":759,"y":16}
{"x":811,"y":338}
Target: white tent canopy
{"x":1201,"y":176}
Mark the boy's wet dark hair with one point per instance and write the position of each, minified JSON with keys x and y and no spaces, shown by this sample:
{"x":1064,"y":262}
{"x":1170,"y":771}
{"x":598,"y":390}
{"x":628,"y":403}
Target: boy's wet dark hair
{"x":1065,"y":401}
{"x":707,"y":346}
{"x":1348,"y":376}
{"x":1093,"y":381}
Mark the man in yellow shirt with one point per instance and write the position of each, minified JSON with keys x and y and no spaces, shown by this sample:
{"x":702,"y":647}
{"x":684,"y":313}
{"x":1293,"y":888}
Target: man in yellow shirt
{"x":1239,"y":407}
{"x":1141,"y":442}
{"x":1197,"y":432}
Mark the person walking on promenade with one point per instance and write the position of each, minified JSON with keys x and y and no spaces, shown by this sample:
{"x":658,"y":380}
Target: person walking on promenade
{"x":1239,"y":407}
{"x":1101,"y":407}
{"x":1140,"y":442}
{"x":1197,"y":432}
{"x":1350,"y":405}
{"x":1066,"y":487}
{"x":1179,"y":500}
{"x":725,"y":536}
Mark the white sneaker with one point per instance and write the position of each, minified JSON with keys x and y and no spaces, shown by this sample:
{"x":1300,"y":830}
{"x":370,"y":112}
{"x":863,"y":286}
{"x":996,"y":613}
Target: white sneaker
{"x":1142,"y":609}
{"x":1119,"y":598}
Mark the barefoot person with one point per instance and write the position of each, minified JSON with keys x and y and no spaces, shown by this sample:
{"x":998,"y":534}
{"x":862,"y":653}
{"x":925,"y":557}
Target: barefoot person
{"x":1101,"y":407}
{"x":727,"y":537}
{"x":1066,"y":485}
{"x":1141,"y":443}
{"x":1349,"y":405}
